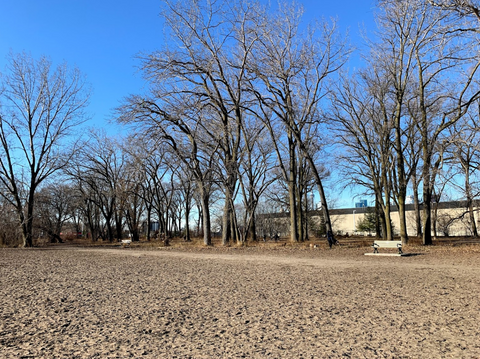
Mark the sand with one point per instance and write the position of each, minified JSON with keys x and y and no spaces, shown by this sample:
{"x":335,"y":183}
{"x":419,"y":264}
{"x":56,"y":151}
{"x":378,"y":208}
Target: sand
{"x":72,"y":302}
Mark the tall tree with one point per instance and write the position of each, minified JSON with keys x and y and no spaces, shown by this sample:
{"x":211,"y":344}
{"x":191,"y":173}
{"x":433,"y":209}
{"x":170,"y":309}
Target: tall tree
{"x":176,"y":125}
{"x":361,"y":118}
{"x":39,"y":107}
{"x":442,"y":57}
{"x":290,"y":70}
{"x":393,"y":52}
{"x":255,"y":173}
{"x":133,"y":180}
{"x":464,"y":154}
{"x":421,"y":51}
{"x":56,"y":203}
{"x":98,"y":170}
{"x":207,"y":70}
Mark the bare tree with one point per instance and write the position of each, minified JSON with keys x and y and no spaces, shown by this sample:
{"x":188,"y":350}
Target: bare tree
{"x":291,"y":69}
{"x":98,"y":170}
{"x":55,"y":203}
{"x":464,"y":154}
{"x":361,"y":118}
{"x":255,"y":173}
{"x":440,"y":54}
{"x":186,"y":190}
{"x":177,"y":127}
{"x":210,"y":65}
{"x":393,"y":53}
{"x":206,"y":71}
{"x":133,"y":185}
{"x":460,"y":8}
{"x":39,"y":108}
{"x":10,"y":233}
{"x":421,"y":50}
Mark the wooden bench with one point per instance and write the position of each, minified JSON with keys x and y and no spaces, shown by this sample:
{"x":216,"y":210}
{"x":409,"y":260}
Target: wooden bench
{"x":387,"y":244}
{"x":126,"y":243}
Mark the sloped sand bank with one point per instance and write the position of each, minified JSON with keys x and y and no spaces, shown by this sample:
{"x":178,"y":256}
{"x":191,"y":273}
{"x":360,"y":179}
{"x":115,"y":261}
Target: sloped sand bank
{"x":72,"y":302}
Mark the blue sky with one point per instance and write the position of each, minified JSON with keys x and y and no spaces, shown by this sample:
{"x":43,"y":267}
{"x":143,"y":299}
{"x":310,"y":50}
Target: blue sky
{"x":102,"y":38}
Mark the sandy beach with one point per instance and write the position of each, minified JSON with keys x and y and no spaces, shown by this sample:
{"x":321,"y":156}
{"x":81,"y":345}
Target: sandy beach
{"x":75,"y":302}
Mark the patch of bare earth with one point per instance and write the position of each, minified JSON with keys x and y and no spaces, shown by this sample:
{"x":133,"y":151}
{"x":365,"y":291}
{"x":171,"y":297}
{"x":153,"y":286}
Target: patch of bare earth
{"x":254,"y":302}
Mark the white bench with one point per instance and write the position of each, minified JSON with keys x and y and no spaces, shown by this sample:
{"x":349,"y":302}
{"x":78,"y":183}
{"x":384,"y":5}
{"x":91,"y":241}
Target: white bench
{"x":126,"y":243}
{"x":387,"y":244}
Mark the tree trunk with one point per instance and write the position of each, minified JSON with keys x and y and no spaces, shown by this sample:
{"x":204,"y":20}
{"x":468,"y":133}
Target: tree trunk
{"x":471,"y":214}
{"x":187,"y":222}
{"x":306,"y":216}
{"x":416,"y":205}
{"x":300,"y":216}
{"x":119,"y":223}
{"x":226,"y":222}
{"x":473,"y":224}
{"x":293,"y":211}
{"x":207,"y":234}
{"x":427,"y":216}
{"x":27,"y":232}
{"x":27,"y":223}
{"x":403,"y":219}
{"x":149,"y":223}
{"x":388,"y":235}
{"x":380,"y":228}
{"x":252,"y":231}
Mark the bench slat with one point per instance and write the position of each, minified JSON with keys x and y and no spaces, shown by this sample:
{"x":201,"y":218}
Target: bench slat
{"x":387,"y":244}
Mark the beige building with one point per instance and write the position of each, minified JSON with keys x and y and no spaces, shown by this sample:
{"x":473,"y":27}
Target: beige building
{"x":452,"y":219}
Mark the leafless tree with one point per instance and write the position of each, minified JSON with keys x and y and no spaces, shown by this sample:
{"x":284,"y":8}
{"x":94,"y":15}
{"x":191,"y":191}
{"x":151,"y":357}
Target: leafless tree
{"x":393,"y":53}
{"x":186,"y":190}
{"x":55,"y":203}
{"x":177,"y":127}
{"x":291,"y":69}
{"x":361,"y":118}
{"x":205,"y":71}
{"x":215,"y":44}
{"x":255,"y":173}
{"x":462,"y":9}
{"x":10,"y":233}
{"x":39,"y":108}
{"x":442,"y":57}
{"x":464,"y":154}
{"x":132,"y":185}
{"x":421,"y":50}
{"x":98,"y":169}
{"x":154,"y":161}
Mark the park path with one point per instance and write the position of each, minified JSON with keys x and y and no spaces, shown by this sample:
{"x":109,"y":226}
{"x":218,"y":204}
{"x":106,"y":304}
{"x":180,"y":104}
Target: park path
{"x":341,"y":259}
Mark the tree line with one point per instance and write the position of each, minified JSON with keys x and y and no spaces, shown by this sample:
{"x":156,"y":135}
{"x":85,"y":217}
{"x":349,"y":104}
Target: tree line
{"x":247,"y":109}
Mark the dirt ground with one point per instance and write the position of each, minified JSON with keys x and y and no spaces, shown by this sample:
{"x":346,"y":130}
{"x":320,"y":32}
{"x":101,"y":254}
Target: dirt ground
{"x":267,"y":301}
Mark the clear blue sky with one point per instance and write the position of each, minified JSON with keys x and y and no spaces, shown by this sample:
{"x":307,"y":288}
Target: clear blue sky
{"x":102,"y":38}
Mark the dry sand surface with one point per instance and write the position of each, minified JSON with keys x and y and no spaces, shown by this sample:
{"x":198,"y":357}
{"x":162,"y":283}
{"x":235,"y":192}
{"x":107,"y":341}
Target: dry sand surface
{"x":73,"y":302}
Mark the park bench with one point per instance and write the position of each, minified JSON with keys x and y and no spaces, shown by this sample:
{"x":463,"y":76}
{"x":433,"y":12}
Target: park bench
{"x":126,"y":243}
{"x":387,"y":244}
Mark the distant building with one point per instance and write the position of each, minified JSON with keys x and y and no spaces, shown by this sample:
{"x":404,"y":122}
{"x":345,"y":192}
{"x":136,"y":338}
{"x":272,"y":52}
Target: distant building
{"x":154,"y":226}
{"x":450,"y":219}
{"x":363,"y":203}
